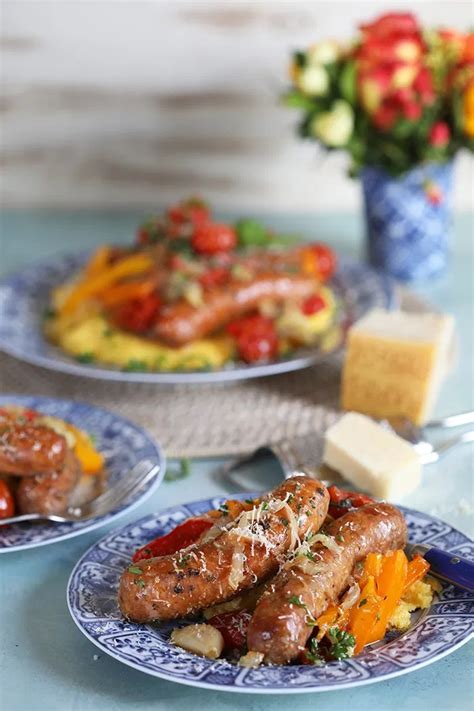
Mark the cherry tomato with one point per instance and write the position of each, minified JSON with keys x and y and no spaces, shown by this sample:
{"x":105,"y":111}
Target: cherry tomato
{"x":214,"y":277}
{"x":138,"y":315}
{"x":341,"y":501}
{"x":7,"y":502}
{"x":214,"y":238}
{"x":256,"y":338}
{"x":319,"y":260}
{"x":313,"y":304}
{"x":233,"y":627}
{"x":191,"y":211}
{"x":180,"y":537}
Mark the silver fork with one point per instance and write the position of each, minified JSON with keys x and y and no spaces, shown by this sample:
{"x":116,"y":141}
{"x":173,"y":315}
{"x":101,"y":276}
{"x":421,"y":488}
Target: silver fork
{"x":417,"y":435}
{"x":128,"y":485}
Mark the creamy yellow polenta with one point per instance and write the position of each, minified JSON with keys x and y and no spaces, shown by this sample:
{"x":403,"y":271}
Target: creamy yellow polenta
{"x":90,"y":338}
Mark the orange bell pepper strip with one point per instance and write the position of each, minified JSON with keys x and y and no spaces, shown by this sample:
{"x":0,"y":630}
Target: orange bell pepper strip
{"x":364,"y":615}
{"x":327,"y":620}
{"x":121,"y":293}
{"x":99,"y":260}
{"x":129,"y":266}
{"x":417,"y":569}
{"x":372,"y":566}
{"x":390,"y":587}
{"x":91,"y":460}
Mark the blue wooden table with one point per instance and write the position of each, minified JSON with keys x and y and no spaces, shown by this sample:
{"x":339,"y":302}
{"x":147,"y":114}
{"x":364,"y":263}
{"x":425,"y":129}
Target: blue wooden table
{"x":46,"y":663}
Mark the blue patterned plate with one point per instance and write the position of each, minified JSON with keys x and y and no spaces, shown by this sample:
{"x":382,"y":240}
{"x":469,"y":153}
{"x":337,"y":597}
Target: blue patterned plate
{"x":123,"y":445}
{"x":92,"y":600}
{"x":24,"y":299}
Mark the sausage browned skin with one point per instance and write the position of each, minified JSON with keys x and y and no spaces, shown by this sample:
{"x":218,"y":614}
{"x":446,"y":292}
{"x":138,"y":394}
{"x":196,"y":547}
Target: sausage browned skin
{"x":49,"y":493}
{"x":210,"y":572}
{"x":28,"y":449}
{"x":279,"y":628}
{"x":181,"y":323}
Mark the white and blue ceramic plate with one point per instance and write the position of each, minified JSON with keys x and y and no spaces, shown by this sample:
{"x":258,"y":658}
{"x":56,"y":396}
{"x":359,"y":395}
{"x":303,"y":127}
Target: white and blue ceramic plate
{"x":92,"y":600}
{"x":123,"y":445}
{"x":24,"y":298}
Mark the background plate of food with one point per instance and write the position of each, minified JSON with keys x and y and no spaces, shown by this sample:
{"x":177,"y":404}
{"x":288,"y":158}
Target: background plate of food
{"x":113,"y":594}
{"x":191,"y":300}
{"x":59,"y":453}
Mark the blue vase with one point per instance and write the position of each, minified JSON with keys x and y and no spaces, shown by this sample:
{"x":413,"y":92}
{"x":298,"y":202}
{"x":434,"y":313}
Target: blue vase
{"x":409,"y":220}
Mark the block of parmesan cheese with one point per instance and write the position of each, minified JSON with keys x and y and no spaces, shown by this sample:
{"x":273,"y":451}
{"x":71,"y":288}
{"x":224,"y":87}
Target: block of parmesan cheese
{"x":395,"y":363}
{"x":373,"y":458}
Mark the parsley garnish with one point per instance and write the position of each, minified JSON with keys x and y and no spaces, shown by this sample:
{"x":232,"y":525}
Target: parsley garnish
{"x":140,"y":582}
{"x":135,"y":366}
{"x":284,"y":521}
{"x":135,"y":569}
{"x":342,"y":643}
{"x":86,"y":357}
{"x":182,"y":562}
{"x":363,"y":602}
{"x":224,"y":509}
{"x":183,"y":470}
{"x":340,"y":538}
{"x":295,"y":600}
{"x":248,"y":501}
{"x":313,"y":654}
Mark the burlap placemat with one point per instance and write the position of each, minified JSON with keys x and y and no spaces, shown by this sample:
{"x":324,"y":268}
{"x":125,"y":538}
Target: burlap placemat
{"x":203,"y":420}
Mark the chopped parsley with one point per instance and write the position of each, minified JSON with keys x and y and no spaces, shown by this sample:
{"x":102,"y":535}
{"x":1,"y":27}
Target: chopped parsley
{"x":363,"y":602}
{"x":248,"y":501}
{"x":295,"y":600}
{"x":183,"y":561}
{"x":265,"y":506}
{"x":135,"y":569}
{"x":140,"y":582}
{"x":86,"y":357}
{"x":340,"y":538}
{"x":342,"y":643}
{"x":284,"y":521}
{"x":135,"y":366}
{"x":224,"y":509}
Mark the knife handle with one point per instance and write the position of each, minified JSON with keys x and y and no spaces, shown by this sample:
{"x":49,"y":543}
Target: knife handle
{"x":450,"y":567}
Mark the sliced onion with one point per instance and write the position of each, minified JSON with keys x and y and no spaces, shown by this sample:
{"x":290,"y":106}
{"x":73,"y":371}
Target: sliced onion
{"x":326,"y":541}
{"x":236,"y":574}
{"x":350,"y":598}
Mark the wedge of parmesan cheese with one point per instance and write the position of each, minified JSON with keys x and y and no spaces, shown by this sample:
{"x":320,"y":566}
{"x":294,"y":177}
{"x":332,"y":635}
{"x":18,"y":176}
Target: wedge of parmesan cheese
{"x":371,"y":457}
{"x":395,"y":363}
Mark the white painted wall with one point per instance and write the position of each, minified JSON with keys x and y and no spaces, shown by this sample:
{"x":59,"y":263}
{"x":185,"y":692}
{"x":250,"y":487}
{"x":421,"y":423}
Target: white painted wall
{"x":136,"y":103}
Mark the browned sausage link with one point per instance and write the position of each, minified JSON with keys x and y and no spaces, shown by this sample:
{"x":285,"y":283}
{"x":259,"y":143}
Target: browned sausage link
{"x":49,"y":493}
{"x":182,"y":323}
{"x":31,"y":449}
{"x":213,"y":571}
{"x":279,"y":628}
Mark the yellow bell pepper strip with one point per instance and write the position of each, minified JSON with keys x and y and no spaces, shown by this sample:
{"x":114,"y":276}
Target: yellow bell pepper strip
{"x":99,"y":260}
{"x":129,"y":266}
{"x":121,"y":293}
{"x":364,"y":615}
{"x":390,"y":587}
{"x":417,"y":569}
{"x":91,"y":460}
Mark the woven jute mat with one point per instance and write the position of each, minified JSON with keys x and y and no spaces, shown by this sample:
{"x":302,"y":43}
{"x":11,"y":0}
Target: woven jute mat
{"x":203,"y":420}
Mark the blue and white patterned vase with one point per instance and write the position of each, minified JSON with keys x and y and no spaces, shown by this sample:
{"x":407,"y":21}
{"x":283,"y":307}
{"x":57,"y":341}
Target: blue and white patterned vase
{"x":409,"y":220}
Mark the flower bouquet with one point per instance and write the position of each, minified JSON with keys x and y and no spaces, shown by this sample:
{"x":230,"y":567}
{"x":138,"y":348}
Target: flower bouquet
{"x":400,"y":101}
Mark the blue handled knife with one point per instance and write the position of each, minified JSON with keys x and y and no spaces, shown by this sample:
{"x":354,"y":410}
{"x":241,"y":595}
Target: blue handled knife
{"x":450,"y":567}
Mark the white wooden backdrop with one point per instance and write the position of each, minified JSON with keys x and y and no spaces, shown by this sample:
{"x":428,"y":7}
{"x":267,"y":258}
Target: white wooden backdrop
{"x":136,"y":103}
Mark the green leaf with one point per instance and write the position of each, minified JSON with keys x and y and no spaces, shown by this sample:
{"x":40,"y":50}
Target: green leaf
{"x":347,"y":83}
{"x":135,"y":569}
{"x":251,"y":233}
{"x":296,"y":100}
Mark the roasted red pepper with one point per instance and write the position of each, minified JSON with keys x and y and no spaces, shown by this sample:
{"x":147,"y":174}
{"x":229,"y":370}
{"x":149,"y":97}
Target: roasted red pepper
{"x":138,"y":314}
{"x":233,"y":627}
{"x":341,"y":500}
{"x":180,"y":537}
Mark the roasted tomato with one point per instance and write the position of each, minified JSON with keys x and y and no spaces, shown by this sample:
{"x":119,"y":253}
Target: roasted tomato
{"x":313,"y":304}
{"x":180,"y":537}
{"x":138,"y":315}
{"x":233,"y":627}
{"x":319,"y":260}
{"x":256,"y":338}
{"x":193,"y":211}
{"x":7,"y":502}
{"x":213,"y":238}
{"x":342,"y":500}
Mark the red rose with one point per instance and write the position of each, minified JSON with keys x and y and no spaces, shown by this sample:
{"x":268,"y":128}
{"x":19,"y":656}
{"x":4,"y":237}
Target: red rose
{"x":439,"y":134}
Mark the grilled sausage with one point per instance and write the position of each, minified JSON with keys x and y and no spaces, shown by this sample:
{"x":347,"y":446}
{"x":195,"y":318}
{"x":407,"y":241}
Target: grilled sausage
{"x":49,"y":493}
{"x":26,"y":449}
{"x":210,"y":572}
{"x":279,"y":628}
{"x":181,"y":323}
